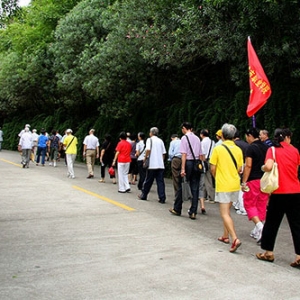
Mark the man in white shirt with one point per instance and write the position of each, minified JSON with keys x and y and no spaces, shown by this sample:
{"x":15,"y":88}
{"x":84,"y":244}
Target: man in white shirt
{"x":91,"y":151}
{"x":25,"y":144}
{"x":155,"y":150}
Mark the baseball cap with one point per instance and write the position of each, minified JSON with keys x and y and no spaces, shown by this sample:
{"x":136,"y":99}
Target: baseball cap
{"x":219,"y":133}
{"x":69,"y":130}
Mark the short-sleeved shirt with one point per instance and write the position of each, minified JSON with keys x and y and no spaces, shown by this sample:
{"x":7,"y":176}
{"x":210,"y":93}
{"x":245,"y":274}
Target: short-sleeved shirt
{"x":91,"y":142}
{"x":71,"y":146}
{"x":141,"y":147}
{"x":42,"y":141}
{"x":288,"y":160}
{"x":124,"y":149}
{"x":257,"y":151}
{"x":195,"y":145}
{"x":54,"y":141}
{"x":227,"y":176}
{"x":158,"y":149}
{"x":207,"y":147}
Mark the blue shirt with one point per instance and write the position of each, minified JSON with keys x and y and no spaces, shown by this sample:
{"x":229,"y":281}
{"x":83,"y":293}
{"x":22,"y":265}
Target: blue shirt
{"x":174,"y":149}
{"x":42,"y":141}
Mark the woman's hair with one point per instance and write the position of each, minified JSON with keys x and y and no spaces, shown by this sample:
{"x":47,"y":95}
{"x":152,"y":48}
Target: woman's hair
{"x":280,"y":134}
{"x":123,"y":135}
{"x":142,"y":135}
{"x":108,"y":137}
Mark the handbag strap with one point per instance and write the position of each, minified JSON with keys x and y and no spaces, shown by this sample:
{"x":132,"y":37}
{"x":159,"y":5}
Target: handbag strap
{"x":208,"y":156}
{"x":190,"y":147}
{"x":273,"y":152}
{"x":233,"y":159}
{"x":70,"y":143}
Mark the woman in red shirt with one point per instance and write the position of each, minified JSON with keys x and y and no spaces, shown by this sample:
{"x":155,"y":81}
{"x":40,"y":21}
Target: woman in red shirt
{"x":284,"y":200}
{"x":123,"y":156}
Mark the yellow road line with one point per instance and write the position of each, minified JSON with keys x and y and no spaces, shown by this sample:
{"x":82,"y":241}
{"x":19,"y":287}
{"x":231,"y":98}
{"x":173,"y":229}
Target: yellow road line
{"x":104,"y":198}
{"x":10,"y":162}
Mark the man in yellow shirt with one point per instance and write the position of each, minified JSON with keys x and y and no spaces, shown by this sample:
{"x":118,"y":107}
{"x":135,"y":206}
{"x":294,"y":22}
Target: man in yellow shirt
{"x":70,"y":143}
{"x":226,"y":164}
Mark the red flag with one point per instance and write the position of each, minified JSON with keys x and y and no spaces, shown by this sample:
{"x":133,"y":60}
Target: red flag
{"x":260,"y":89}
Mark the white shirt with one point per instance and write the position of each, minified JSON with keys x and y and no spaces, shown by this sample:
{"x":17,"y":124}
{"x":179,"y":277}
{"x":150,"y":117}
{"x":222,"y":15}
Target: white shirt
{"x":91,"y":142}
{"x":26,"y":140}
{"x":140,"y":146}
{"x":157,"y":151}
{"x":207,"y":144}
{"x":35,"y":138}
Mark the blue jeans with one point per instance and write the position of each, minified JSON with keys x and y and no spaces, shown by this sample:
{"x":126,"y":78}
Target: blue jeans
{"x":152,"y":174}
{"x":193,"y":178}
{"x":41,"y":151}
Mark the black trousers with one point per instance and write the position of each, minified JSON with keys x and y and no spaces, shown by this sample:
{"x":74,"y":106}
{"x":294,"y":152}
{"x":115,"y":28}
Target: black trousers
{"x":279,"y":205}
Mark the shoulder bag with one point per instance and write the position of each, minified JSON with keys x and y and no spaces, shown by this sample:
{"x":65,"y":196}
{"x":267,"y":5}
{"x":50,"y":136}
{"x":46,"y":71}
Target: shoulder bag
{"x":269,"y":181}
{"x":198,"y":167}
{"x":146,"y":162}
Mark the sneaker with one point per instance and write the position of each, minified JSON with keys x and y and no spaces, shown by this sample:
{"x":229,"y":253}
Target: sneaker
{"x":72,"y":176}
{"x":50,"y":164}
{"x":240,"y":212}
{"x":253,"y":233}
{"x":54,"y":165}
{"x":212,"y":201}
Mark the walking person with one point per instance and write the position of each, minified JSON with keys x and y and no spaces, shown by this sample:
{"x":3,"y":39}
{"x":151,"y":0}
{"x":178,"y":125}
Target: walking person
{"x":1,"y":138}
{"x":25,"y":145}
{"x":35,"y":138}
{"x":140,"y":154}
{"x":70,"y":143}
{"x":155,"y":151}
{"x":191,"y":150}
{"x":91,"y":152}
{"x":226,"y":164}
{"x":286,"y":199}
{"x":122,"y":156}
{"x":255,"y":201}
{"x":175,"y":159}
{"x":107,"y":155}
{"x":54,"y":144}
{"x":42,"y":147}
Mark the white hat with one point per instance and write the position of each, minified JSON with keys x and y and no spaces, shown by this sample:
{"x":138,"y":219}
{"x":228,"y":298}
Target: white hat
{"x":27,"y":125}
{"x":69,"y":130}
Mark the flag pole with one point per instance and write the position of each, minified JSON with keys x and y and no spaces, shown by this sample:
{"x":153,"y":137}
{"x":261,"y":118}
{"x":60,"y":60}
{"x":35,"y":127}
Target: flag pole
{"x":253,"y":121}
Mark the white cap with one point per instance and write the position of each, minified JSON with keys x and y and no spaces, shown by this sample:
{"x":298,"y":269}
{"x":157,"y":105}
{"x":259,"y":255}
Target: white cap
{"x":27,"y":125}
{"x":69,"y":130}
{"x":34,"y":130}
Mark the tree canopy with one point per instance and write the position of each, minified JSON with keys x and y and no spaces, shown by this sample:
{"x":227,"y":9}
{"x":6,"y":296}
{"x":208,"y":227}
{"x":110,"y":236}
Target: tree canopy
{"x":135,"y":64}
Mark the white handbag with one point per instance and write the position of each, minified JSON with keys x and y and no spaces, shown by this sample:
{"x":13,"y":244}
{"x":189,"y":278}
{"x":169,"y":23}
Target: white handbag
{"x":269,"y":181}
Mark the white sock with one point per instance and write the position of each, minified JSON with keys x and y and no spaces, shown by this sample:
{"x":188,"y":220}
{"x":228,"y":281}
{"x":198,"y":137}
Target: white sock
{"x":259,"y":225}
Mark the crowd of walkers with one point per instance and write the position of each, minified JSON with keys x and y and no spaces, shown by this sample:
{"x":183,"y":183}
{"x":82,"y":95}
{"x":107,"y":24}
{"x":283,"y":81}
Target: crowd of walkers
{"x":227,"y":172}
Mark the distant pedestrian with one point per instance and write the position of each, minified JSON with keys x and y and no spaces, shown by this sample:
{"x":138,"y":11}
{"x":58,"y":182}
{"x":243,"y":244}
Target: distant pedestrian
{"x":140,"y":154}
{"x":122,"y":156}
{"x":107,"y":154}
{"x":25,"y":145}
{"x":42,"y":147}
{"x":264,"y":137}
{"x":1,"y":138}
{"x":156,"y":151}
{"x":54,"y":145}
{"x":175,"y":159}
{"x":70,"y":143}
{"x":91,"y":151}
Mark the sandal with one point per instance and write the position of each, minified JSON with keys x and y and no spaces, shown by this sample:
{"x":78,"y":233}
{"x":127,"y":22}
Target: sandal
{"x":295,"y":264}
{"x":223,"y":239}
{"x":236,"y":244}
{"x":266,"y":257}
{"x":101,"y":180}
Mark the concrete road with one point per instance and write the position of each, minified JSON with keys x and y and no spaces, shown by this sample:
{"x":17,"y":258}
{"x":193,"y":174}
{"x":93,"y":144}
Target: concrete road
{"x":77,"y":238}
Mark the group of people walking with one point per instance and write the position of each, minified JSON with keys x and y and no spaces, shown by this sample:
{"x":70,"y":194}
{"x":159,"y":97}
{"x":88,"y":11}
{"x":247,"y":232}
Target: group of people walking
{"x":225,"y":172}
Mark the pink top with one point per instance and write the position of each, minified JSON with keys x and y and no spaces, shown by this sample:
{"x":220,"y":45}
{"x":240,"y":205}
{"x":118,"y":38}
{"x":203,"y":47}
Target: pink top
{"x":288,"y":160}
{"x":195,"y":144}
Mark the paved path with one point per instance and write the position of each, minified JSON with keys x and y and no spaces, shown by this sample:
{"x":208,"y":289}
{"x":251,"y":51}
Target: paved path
{"x":78,"y":239}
